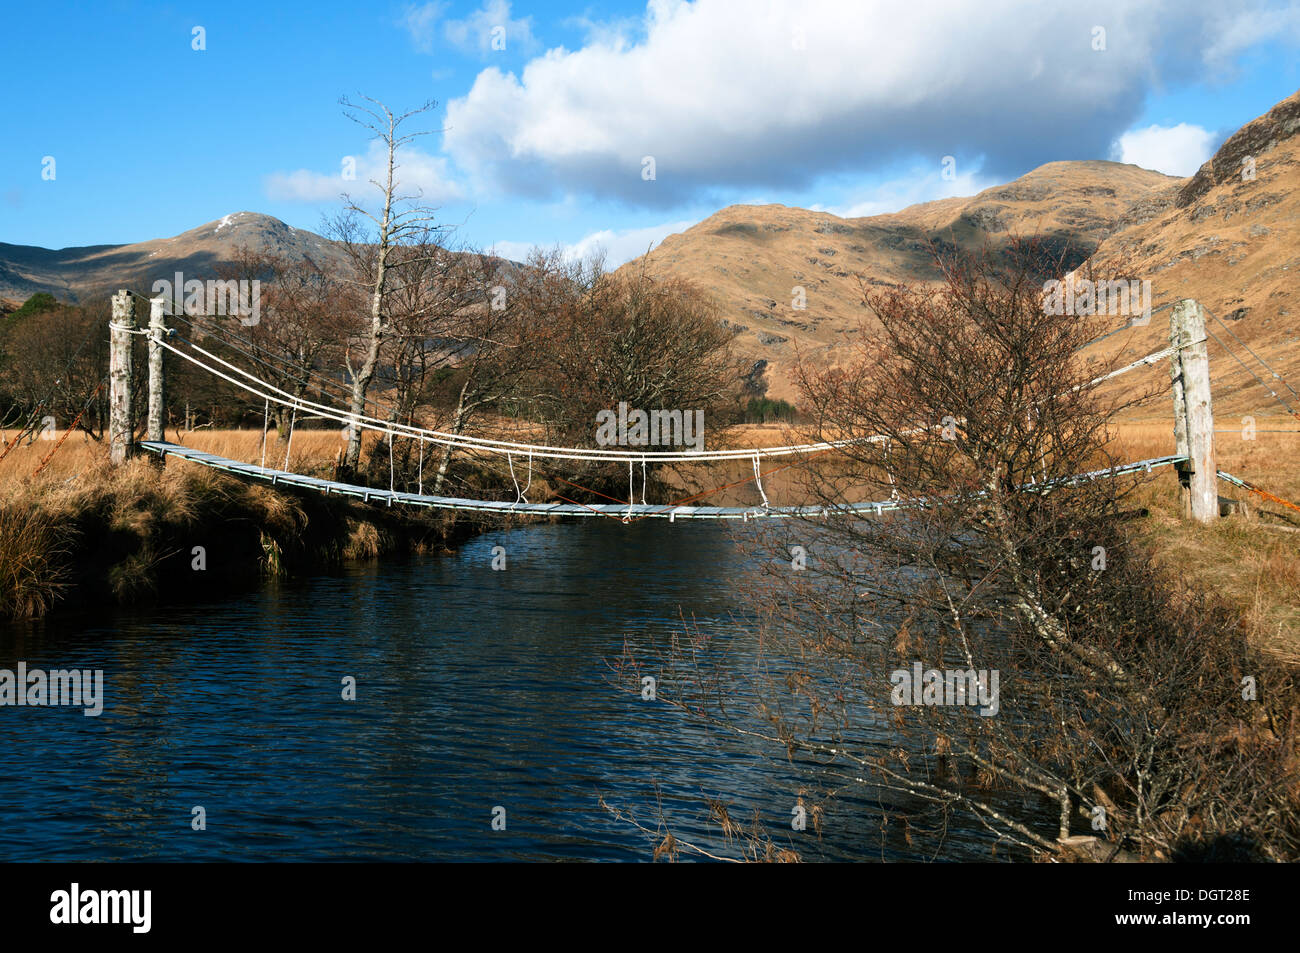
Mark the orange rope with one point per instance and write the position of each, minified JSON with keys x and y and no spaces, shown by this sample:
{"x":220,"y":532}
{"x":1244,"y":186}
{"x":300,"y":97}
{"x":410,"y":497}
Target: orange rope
{"x":1265,"y":494}
{"x":67,"y":433}
{"x":10,"y":444}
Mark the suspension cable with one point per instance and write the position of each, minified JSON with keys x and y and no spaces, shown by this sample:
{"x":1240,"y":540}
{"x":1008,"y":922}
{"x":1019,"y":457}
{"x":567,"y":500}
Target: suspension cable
{"x":1275,"y":374}
{"x":1251,"y":372}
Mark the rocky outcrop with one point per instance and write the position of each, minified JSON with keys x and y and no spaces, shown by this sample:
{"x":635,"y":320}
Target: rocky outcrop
{"x":1251,"y":141}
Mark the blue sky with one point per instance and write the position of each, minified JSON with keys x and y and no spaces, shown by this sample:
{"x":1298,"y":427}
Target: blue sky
{"x":831,"y":104}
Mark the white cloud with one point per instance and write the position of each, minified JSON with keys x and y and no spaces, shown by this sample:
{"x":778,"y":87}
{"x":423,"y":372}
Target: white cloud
{"x":419,"y":21}
{"x":1173,"y":150}
{"x":1249,"y":27}
{"x":491,"y":22}
{"x":417,"y":171}
{"x":720,"y":93}
{"x":618,"y":246}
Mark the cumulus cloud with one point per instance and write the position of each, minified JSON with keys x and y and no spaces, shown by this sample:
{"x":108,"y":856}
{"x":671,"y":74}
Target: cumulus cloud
{"x":732,"y":93}
{"x":1173,"y":150}
{"x":418,"y":171}
{"x":617,"y":247}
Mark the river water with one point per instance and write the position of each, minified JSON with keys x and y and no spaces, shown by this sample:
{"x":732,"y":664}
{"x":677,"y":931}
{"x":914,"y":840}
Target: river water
{"x":480,"y":694}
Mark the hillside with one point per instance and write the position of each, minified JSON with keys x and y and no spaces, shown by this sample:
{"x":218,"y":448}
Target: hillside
{"x":1229,"y":241}
{"x":751,"y":257}
{"x":76,"y":274}
{"x":1233,"y":243}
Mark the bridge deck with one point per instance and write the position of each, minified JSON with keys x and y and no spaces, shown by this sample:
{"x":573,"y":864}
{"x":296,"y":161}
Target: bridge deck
{"x":502,"y":507}
{"x":621,"y":510}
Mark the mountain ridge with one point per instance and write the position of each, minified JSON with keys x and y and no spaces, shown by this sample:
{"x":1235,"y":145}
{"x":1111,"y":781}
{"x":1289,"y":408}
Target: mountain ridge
{"x":1228,"y":240}
{"x":76,"y":273}
{"x":754,"y":258}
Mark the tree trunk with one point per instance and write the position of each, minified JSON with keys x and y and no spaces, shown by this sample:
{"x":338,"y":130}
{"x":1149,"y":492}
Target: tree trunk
{"x":361,"y":383}
{"x":457,"y":423}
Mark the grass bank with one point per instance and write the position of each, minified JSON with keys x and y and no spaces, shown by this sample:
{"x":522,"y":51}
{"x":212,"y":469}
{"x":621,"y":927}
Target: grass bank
{"x":1253,"y":563}
{"x":84,"y":533}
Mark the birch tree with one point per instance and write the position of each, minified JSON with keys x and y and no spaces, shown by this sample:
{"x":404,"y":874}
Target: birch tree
{"x":375,"y":235}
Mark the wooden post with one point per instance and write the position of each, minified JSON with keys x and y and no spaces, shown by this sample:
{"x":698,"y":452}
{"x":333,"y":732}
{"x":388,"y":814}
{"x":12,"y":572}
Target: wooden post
{"x":157,"y":381}
{"x":121,"y":422}
{"x":1193,"y":412}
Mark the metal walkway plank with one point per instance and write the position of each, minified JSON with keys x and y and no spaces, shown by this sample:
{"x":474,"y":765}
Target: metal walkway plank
{"x":624,"y":511}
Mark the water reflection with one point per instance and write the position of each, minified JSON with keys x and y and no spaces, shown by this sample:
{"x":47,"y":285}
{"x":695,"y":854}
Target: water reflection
{"x":475,"y":689}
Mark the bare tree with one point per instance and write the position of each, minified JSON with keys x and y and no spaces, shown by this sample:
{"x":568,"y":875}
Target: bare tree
{"x":305,"y":313}
{"x":51,"y":364}
{"x":1004,"y":649}
{"x":460,"y":346}
{"x":374,"y":241}
{"x":495,"y":356}
{"x":652,"y":342}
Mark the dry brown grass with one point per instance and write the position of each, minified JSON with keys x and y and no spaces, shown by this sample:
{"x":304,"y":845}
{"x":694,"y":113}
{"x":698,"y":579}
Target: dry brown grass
{"x":117,"y":530}
{"x":31,"y":574}
{"x":311,"y":450}
{"x":1253,"y":563}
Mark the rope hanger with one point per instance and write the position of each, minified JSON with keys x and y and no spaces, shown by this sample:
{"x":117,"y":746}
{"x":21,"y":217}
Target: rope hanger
{"x":521,"y":496}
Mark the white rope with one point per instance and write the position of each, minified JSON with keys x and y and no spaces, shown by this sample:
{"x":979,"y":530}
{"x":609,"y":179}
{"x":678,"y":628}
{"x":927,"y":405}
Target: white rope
{"x":631,"y":493}
{"x":128,"y":329}
{"x":568,"y":453}
{"x":266,"y":425}
{"x":521,"y":496}
{"x":421,"y":476}
{"x":289,"y":445}
{"x":643,"y":481}
{"x":758,"y":481}
{"x":1140,"y":362}
{"x":889,"y":472}
{"x":392,"y":479}
{"x":502,"y":446}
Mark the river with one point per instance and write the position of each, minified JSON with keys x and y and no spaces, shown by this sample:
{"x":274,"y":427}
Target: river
{"x":480,"y":694}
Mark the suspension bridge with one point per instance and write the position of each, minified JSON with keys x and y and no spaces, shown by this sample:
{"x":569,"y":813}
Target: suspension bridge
{"x":1189,"y":372}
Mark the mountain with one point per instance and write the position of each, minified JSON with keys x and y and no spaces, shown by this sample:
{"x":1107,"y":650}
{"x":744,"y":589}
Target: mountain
{"x":1232,"y":241}
{"x":752,"y":257}
{"x":78,"y":274}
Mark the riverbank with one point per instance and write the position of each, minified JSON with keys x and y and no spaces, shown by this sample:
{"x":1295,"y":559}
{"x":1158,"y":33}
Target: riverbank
{"x":80,"y":531}
{"x":84,"y":533}
{"x":1252,"y":558}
